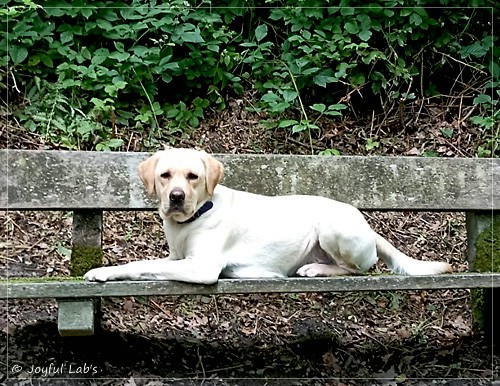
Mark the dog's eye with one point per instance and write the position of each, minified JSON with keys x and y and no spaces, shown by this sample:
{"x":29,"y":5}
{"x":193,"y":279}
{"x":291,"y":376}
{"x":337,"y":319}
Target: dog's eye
{"x":192,"y":176}
{"x":165,"y":175}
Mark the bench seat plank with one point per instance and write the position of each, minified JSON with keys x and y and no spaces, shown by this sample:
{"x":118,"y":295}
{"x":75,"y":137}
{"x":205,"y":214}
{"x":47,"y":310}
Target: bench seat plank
{"x":79,"y":289}
{"x":63,"y":180}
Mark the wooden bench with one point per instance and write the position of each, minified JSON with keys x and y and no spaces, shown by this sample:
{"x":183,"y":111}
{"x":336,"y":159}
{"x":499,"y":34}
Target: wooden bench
{"x":89,"y":183}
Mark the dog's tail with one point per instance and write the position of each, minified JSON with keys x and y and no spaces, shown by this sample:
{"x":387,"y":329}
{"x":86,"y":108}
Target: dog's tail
{"x":402,"y":264}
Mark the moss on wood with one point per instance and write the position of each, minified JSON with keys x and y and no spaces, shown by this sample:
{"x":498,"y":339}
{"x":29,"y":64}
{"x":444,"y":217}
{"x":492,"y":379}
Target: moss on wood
{"x":487,"y":260}
{"x":488,"y":249}
{"x":44,"y":279}
{"x":84,"y":258}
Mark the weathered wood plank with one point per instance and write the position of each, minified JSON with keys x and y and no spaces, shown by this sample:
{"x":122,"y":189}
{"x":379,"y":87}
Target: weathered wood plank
{"x":80,"y":289}
{"x":107,"y":181}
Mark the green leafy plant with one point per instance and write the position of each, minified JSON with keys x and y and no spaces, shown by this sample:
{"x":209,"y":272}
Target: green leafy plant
{"x":489,"y":122}
{"x":111,"y":59}
{"x":487,"y":102}
{"x":158,"y":66}
{"x":52,"y":115}
{"x":371,"y":144}
{"x":447,"y":132}
{"x":306,"y":124}
{"x":181,"y":115}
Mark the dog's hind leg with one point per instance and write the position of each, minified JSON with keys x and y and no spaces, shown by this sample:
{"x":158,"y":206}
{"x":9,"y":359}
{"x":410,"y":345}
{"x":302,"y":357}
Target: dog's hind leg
{"x":351,"y":252}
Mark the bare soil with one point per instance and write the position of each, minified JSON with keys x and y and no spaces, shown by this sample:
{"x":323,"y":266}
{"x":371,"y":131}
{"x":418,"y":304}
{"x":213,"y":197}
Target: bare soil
{"x":381,"y":338}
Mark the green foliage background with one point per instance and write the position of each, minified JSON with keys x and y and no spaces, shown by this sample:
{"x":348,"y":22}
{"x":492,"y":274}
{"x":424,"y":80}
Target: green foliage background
{"x":82,"y":69}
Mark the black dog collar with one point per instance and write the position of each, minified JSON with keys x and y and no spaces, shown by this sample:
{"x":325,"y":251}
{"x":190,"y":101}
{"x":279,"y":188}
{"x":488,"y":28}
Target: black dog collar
{"x":204,"y":208}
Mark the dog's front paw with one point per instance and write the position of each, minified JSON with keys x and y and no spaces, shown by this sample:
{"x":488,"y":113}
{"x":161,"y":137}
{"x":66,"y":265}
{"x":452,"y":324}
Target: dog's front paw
{"x":98,"y":274}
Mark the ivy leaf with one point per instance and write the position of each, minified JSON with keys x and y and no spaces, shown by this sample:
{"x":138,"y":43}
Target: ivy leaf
{"x":310,"y":71}
{"x":119,"y":46}
{"x":141,"y":51}
{"x":261,"y":32}
{"x":34,"y":60}
{"x":494,"y":69}
{"x":352,"y":28}
{"x":130,"y":13}
{"x":270,"y":97}
{"x":193,"y":37}
{"x":86,"y":12}
{"x":114,"y":143}
{"x":18,"y":54}
{"x":280,"y":107}
{"x":298,"y":128}
{"x":46,"y":59}
{"x":365,"y":35}
{"x":319,"y":107}
{"x":333,"y":113}
{"x":104,"y":24}
{"x":447,"y":132}
{"x":287,"y":123}
{"x":358,"y":79}
{"x":193,"y":121}
{"x":102,"y":147}
{"x":120,"y":56}
{"x":346,"y":11}
{"x":482,"y":98}
{"x":371,"y":56}
{"x":330,"y":152}
{"x":56,"y":11}
{"x":66,"y":37}
{"x":364,"y":20}
{"x":171,"y":66}
{"x":416,"y":19}
{"x":289,"y":96}
{"x":475,"y":49}
{"x":276,"y":14}
{"x":100,"y":56}
{"x":322,"y":79}
{"x":337,"y":106}
{"x":371,"y":144}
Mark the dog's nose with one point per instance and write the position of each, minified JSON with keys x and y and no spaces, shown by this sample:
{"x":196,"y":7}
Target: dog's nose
{"x":177,"y":196}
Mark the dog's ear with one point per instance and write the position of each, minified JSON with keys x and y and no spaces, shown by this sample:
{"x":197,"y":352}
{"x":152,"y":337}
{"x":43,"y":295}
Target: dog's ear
{"x":214,"y":171}
{"x":147,"y":173}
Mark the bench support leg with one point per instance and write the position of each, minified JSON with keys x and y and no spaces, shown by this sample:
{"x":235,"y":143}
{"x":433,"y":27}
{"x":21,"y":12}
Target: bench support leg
{"x":76,"y":317}
{"x":86,"y":251}
{"x":483,"y":250}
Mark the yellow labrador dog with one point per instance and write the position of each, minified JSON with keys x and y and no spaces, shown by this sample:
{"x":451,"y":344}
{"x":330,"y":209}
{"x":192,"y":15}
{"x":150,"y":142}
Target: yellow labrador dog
{"x":213,"y":230}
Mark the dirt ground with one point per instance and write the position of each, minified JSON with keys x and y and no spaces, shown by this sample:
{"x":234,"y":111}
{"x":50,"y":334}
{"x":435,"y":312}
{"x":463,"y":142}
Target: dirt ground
{"x":380,"y":338}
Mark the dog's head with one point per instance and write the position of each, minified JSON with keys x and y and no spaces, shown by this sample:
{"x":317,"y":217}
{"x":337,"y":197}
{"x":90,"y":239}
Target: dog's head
{"x":182,"y":179}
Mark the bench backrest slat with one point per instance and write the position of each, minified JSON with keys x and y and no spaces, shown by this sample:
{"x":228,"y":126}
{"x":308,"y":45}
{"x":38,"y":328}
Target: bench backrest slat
{"x":109,"y":181}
